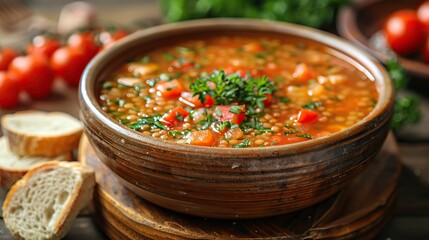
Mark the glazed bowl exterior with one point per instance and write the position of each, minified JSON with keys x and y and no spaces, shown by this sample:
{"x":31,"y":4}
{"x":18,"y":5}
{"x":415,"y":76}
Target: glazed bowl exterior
{"x":229,"y":182}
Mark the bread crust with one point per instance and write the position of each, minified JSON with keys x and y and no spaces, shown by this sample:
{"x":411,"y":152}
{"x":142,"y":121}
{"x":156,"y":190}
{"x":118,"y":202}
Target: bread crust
{"x":10,"y":174}
{"x":79,"y":198}
{"x":28,"y":144}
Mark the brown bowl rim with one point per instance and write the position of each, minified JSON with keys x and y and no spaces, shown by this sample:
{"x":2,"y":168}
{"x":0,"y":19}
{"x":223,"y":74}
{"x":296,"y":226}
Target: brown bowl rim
{"x":372,"y":68}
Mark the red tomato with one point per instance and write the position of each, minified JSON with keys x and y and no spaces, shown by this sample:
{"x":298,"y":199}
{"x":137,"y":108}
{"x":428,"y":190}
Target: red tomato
{"x":174,"y":116}
{"x":43,"y":45}
{"x":34,"y":75}
{"x":6,"y":57}
{"x":253,"y":48}
{"x":302,"y":73}
{"x":84,"y":42}
{"x":426,"y":50}
{"x":69,"y":63}
{"x":201,"y":138}
{"x":194,"y":101}
{"x":423,"y":14}
{"x":268,"y":101}
{"x":306,"y":115}
{"x":9,"y":90}
{"x":225,"y":114}
{"x":404,"y":32}
{"x":169,"y":89}
{"x":108,"y":38}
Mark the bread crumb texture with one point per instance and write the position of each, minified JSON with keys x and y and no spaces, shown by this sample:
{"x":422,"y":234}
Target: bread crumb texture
{"x":44,"y":204}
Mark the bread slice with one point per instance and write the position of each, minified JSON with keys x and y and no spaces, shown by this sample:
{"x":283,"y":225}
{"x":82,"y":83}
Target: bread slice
{"x":14,"y":167}
{"x":45,"y":202}
{"x":35,"y":133}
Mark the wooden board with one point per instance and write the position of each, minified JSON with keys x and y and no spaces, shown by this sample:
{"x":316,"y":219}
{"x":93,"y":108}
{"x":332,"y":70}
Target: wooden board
{"x":358,"y":211}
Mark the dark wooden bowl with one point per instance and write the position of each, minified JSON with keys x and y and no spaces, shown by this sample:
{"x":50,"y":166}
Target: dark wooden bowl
{"x":360,"y":21}
{"x":233,"y":183}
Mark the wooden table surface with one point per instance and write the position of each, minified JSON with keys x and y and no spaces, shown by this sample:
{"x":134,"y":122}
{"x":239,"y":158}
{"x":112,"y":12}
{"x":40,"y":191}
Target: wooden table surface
{"x":411,"y":215}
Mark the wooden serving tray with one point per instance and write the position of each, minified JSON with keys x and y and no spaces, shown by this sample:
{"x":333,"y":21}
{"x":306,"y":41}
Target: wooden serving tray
{"x":358,"y":211}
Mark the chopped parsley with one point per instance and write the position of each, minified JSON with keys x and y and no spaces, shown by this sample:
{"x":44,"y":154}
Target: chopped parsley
{"x":235,"y":109}
{"x":107,"y":85}
{"x":119,"y":102}
{"x":205,"y":123}
{"x":179,"y":117}
{"x":168,"y":57}
{"x":284,"y":100}
{"x":179,"y":134}
{"x":153,"y":121}
{"x":291,"y":130}
{"x":145,"y":59}
{"x":233,"y":88}
{"x":152,"y":82}
{"x":304,"y":135}
{"x":243,"y":144}
{"x":312,"y":105}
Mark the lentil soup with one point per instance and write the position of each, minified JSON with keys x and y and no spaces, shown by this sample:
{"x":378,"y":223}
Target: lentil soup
{"x":238,"y":91}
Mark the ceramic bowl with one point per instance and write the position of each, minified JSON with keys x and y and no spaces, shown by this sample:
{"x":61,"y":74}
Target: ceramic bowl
{"x":229,"y":182}
{"x":362,"y":23}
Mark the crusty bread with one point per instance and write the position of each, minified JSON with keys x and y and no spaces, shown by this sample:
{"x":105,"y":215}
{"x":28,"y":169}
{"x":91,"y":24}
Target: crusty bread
{"x":35,"y":133}
{"x":14,"y":167}
{"x":45,"y":202}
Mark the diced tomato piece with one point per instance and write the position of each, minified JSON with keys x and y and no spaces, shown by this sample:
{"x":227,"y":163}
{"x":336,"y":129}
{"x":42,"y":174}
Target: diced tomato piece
{"x":224,"y":114}
{"x":302,"y":73}
{"x":194,"y":101}
{"x":267,"y":102}
{"x":285,"y":139}
{"x":306,"y":115}
{"x":169,"y":89}
{"x":253,"y":48}
{"x":201,"y":138}
{"x":174,"y":116}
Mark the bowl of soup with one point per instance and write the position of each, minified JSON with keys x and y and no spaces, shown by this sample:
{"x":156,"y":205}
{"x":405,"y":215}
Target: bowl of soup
{"x":235,"y":118}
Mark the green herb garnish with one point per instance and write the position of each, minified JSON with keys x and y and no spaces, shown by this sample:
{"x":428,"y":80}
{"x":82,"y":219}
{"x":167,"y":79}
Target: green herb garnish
{"x":107,"y":85}
{"x":205,"y":123}
{"x":284,"y":100}
{"x":304,"y":135}
{"x":153,"y":121}
{"x":243,"y":144}
{"x":168,"y":57}
{"x":312,"y":105}
{"x":233,"y":88}
{"x":179,"y":134}
{"x":235,"y":109}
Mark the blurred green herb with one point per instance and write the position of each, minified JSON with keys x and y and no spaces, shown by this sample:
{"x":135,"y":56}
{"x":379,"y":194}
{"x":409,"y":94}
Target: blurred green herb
{"x":407,"y":106}
{"x":307,"y":12}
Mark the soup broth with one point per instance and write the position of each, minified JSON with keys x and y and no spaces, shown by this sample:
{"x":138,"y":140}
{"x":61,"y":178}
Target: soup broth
{"x":238,"y":91}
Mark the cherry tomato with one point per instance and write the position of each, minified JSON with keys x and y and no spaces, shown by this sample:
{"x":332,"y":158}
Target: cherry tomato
{"x":108,"y":38}
{"x":404,"y":32}
{"x":6,"y":57}
{"x":9,"y":90}
{"x":426,"y":50}
{"x":423,"y":14}
{"x":43,"y":45}
{"x":84,"y":42}
{"x":69,"y":63}
{"x":33,"y":74}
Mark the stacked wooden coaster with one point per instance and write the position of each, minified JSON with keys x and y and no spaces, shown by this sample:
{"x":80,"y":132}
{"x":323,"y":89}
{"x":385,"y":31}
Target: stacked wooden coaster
{"x":359,"y":211}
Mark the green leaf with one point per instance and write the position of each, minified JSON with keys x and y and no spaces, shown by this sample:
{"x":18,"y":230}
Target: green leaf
{"x":312,"y":105}
{"x":243,"y":144}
